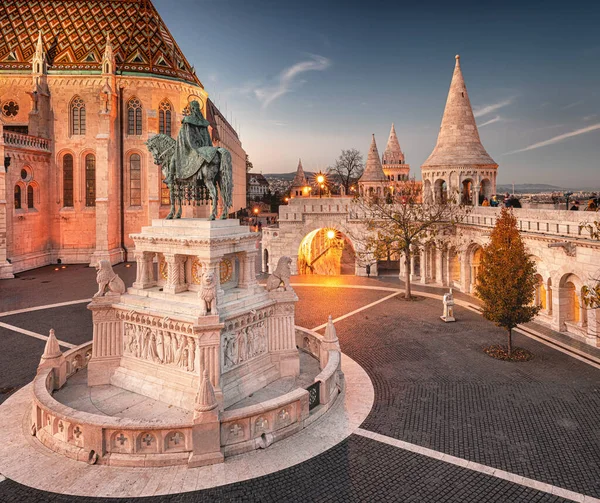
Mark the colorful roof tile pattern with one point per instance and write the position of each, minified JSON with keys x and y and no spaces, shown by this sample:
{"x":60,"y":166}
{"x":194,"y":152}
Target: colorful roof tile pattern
{"x":74,"y":36}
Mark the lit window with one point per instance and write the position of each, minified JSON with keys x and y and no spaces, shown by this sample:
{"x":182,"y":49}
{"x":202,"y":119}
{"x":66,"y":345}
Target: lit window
{"x":68,"y":180}
{"x":90,"y":180}
{"x":135,"y":180}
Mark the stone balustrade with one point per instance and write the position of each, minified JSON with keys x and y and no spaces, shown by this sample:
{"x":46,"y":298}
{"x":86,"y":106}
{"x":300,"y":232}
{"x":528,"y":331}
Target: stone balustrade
{"x":25,"y":141}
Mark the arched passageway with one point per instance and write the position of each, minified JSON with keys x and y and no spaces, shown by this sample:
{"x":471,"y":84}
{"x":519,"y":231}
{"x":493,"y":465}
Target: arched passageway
{"x":326,"y":251}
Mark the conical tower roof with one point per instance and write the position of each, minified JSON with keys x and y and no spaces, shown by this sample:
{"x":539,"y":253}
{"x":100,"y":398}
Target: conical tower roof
{"x":458,"y":142}
{"x":373,"y":170}
{"x":393,"y":153}
{"x":300,"y":178}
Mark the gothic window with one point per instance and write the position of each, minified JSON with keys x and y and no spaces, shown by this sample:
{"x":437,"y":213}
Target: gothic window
{"x":165,"y":199}
{"x":90,"y":180}
{"x":30,"y":196}
{"x":164,"y":118}
{"x":135,"y":180}
{"x":17,"y":197}
{"x":77,"y":116}
{"x":134,"y":117}
{"x":68,"y":180}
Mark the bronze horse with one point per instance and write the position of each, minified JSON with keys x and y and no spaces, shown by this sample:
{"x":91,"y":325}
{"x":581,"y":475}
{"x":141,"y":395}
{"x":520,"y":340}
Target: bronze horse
{"x":203,"y":176}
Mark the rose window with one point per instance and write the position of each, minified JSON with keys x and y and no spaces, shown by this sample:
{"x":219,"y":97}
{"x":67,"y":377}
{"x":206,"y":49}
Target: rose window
{"x":10,"y":109}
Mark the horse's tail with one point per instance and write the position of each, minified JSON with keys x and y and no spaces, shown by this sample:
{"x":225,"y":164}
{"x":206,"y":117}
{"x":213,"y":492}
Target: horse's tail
{"x":226,"y":182}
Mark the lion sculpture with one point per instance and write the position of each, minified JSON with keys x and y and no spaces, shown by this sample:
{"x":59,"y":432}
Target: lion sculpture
{"x":281,"y":276}
{"x":208,"y":294}
{"x":109,"y":282}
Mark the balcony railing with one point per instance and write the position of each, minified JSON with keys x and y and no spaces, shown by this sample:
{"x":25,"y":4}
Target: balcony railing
{"x":25,"y":141}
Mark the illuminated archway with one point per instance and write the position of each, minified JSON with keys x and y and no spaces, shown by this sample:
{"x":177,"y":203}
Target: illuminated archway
{"x":326,"y":251}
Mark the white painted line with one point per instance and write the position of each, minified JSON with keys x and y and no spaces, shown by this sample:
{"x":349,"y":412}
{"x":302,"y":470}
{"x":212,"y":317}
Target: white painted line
{"x":360,"y":287}
{"x":347,"y":315}
{"x":34,"y":334}
{"x":477,"y":467}
{"x":48,"y":306}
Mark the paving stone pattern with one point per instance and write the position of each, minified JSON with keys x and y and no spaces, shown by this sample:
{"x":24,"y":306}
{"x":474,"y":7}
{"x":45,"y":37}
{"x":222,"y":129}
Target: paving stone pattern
{"x":356,"y":470}
{"x":435,"y":387}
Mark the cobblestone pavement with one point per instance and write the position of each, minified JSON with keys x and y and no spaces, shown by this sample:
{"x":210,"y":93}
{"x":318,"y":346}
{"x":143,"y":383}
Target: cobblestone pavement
{"x":434,"y":387}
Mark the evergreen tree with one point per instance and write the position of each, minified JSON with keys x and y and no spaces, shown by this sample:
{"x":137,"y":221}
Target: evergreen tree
{"x":506,"y":282}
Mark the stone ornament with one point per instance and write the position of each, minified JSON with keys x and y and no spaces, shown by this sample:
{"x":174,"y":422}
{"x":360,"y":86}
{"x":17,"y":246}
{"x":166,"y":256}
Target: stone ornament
{"x":208,"y":294}
{"x":109,"y":282}
{"x":281,"y":276}
{"x":245,"y":344}
{"x":205,"y":398}
{"x":448,"y":301}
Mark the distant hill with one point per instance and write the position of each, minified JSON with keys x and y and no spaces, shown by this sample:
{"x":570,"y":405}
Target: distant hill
{"x":285,"y":176}
{"x":529,"y":188}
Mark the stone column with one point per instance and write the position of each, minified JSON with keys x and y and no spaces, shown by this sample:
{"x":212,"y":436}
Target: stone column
{"x":439,"y":266}
{"x":247,"y":270}
{"x":107,"y":346}
{"x":175,"y":274}
{"x":145,"y":270}
{"x":281,"y":333}
{"x":413,"y":276}
{"x":6,"y":269}
{"x":208,"y":357}
{"x":465,"y":273}
{"x":424,"y":266}
{"x":560,"y":304}
{"x":548,"y":300}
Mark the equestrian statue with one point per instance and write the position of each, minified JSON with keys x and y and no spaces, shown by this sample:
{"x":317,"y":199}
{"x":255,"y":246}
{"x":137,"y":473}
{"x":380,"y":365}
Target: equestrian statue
{"x":192,"y":166}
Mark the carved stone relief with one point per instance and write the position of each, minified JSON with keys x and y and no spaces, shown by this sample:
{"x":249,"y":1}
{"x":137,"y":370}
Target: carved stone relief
{"x":244,"y":344}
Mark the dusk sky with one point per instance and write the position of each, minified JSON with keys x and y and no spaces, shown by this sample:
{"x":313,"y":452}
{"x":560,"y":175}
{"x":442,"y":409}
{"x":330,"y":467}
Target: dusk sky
{"x":306,"y":79}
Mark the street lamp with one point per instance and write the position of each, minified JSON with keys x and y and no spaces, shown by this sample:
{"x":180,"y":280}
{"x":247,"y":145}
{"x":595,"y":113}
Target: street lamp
{"x":255,"y":211}
{"x":320,"y":178}
{"x":567,"y":195}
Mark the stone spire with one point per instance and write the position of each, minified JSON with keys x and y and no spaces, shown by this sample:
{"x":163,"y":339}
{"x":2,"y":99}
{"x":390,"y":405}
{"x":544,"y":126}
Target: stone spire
{"x":300,"y":178}
{"x":393,"y":153}
{"x":38,"y":63}
{"x":205,"y":399}
{"x":458,"y":142}
{"x":373,"y":171}
{"x":108,"y":60}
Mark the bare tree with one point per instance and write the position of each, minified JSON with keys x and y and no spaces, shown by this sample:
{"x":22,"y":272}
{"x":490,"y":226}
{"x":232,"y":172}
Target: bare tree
{"x":397,"y":223}
{"x":347,"y":168}
{"x":249,"y":164}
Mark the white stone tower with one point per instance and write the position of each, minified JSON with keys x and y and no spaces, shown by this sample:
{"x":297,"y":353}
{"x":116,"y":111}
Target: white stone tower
{"x":300,"y":187}
{"x":459,"y":168}
{"x":393,"y":163}
{"x":373,"y":178}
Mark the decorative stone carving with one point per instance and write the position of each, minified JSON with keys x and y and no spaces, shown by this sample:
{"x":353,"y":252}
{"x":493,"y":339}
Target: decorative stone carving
{"x":281,"y":276}
{"x":208,"y":294}
{"x":245,"y":344}
{"x":448,"y":300}
{"x":159,"y":346}
{"x":109,"y":282}
{"x":205,"y":398}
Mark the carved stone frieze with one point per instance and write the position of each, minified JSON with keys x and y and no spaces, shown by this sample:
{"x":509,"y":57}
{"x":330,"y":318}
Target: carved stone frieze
{"x":155,"y":321}
{"x":244,"y":344}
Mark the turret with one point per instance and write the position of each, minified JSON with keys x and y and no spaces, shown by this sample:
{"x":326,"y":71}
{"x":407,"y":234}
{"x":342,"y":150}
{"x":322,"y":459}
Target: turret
{"x":394,"y":165}
{"x":300,"y":185}
{"x":373,"y":179}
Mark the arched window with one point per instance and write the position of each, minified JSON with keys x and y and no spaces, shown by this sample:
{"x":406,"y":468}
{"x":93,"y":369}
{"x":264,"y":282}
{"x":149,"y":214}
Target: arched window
{"x":90,"y":180}
{"x":77,"y":116}
{"x":30,"y":196}
{"x":68,"y":181}
{"x":164,"y":117}
{"x":135,"y":180}
{"x":17,"y":197}
{"x":134,"y":117}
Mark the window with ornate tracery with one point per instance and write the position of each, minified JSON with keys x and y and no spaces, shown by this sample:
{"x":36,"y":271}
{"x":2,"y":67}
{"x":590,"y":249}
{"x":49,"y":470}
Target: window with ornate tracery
{"x":30,"y":202}
{"x":17,"y":197}
{"x":135,"y":180}
{"x":90,"y":180}
{"x":164,"y":117}
{"x":77,"y":116}
{"x":68,"y":180}
{"x":134,"y":117}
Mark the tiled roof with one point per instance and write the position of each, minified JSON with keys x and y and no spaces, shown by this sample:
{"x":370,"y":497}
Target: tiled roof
{"x":74,"y":36}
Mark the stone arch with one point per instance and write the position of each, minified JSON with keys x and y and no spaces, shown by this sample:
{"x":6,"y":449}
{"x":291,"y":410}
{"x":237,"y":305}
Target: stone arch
{"x":570,"y":301}
{"x":174,"y":441}
{"x":474,"y":253}
{"x":65,"y":161}
{"x":327,"y":251}
{"x":454,"y":266}
{"x":33,"y":195}
{"x":440,"y":188}
{"x":485,"y":189}
{"x":147,"y":442}
{"x":467,"y":191}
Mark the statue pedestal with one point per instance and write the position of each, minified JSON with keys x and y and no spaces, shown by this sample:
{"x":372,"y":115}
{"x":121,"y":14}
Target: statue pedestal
{"x":195,"y":305}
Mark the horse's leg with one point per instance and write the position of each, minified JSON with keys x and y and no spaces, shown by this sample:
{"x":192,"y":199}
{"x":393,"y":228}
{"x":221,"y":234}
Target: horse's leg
{"x":171,"y":200}
{"x":212,"y":190}
{"x":180,"y":200}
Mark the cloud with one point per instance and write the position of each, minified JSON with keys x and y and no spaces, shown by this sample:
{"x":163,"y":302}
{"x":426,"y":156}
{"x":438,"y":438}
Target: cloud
{"x":491,"y":121}
{"x":590,"y":117}
{"x":488,"y":109}
{"x":571,"y":105}
{"x":286,"y":79}
{"x":557,"y":139}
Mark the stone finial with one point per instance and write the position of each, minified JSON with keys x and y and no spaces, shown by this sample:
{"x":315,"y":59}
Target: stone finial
{"x":205,"y":399}
{"x":52,"y":349}
{"x":373,"y":170}
{"x":330,"y":333}
{"x":38,"y":63}
{"x":108,"y":60}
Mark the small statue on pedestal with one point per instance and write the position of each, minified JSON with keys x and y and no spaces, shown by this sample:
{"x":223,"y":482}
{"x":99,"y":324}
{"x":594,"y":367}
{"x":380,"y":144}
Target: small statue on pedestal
{"x":448,"y":307}
{"x":109,"y":282}
{"x":281,"y":276}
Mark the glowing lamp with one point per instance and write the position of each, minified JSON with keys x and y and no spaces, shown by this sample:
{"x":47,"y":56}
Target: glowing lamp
{"x":330,"y":234}
{"x":320,"y":179}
